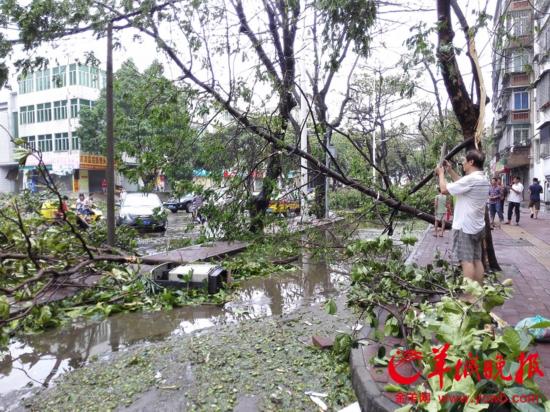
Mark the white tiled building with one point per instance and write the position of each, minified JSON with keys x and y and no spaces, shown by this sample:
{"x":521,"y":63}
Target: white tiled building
{"x":521,"y":91}
{"x":8,"y":128}
{"x":44,"y":112}
{"x":541,"y":152}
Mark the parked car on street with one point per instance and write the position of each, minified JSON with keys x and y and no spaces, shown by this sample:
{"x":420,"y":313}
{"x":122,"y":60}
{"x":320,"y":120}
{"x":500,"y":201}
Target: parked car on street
{"x":142,"y":210}
{"x":182,"y":203}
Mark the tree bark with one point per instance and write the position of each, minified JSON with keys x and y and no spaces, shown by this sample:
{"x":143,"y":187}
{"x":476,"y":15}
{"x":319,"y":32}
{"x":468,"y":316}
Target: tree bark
{"x":467,"y":113}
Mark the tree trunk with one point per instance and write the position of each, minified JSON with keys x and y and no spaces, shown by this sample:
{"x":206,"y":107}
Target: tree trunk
{"x":260,"y":203}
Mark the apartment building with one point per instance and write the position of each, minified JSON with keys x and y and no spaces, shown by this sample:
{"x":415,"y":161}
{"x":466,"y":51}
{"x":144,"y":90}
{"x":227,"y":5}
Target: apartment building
{"x":521,"y":144}
{"x":43,"y":109}
{"x":8,"y":127}
{"x":541,"y":86}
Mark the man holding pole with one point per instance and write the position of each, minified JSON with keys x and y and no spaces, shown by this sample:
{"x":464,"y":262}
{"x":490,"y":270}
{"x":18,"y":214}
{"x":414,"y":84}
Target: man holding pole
{"x":469,"y":215}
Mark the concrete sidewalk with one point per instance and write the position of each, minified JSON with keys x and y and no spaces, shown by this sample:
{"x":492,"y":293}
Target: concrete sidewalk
{"x":524,"y":254}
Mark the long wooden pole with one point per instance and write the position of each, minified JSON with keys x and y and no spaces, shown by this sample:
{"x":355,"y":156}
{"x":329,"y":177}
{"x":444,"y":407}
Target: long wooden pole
{"x":111,"y":238}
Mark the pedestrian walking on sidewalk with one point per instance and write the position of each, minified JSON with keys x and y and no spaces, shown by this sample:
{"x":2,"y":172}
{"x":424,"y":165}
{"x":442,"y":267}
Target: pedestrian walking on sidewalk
{"x":535,"y":190}
{"x":469,"y":214}
{"x":495,"y":193}
{"x":440,"y":212}
{"x":503,"y":195}
{"x":196,"y":209}
{"x":514,"y":199}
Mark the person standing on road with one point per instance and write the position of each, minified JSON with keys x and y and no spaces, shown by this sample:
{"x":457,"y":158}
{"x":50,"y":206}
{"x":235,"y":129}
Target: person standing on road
{"x":503,"y":195}
{"x":440,"y":210}
{"x":469,"y":214}
{"x":196,"y":206}
{"x":535,"y":190}
{"x":514,"y":199}
{"x":494,"y":202}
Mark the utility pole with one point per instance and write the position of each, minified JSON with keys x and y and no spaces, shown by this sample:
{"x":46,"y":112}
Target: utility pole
{"x":375,"y":112}
{"x":110,"y":142}
{"x":304,"y":183}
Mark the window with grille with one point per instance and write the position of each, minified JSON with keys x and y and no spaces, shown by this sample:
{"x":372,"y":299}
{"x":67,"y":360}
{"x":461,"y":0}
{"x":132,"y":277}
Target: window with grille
{"x":61,"y":142}
{"x":521,"y":135}
{"x":72,"y":74}
{"x":43,"y":112}
{"x":519,"y":61}
{"x":74,"y":108}
{"x":45,"y":142}
{"x":84,"y":104}
{"x":43,"y":80}
{"x":26,"y":114}
{"x":59,"y":76}
{"x":83,"y":75}
{"x":519,"y":23}
{"x":521,"y":100}
{"x":30,"y":142}
{"x":543,"y":91}
{"x":76,"y":142}
{"x":94,"y":77}
{"x":60,"y":110}
{"x":25,"y":85}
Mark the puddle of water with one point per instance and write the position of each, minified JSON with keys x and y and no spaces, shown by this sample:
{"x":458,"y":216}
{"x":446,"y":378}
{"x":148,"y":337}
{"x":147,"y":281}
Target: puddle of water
{"x":38,"y":359}
{"x":155,"y":242}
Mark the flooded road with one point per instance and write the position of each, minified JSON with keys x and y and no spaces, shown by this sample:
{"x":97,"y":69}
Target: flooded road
{"x":37,"y":360}
{"x":179,"y":232}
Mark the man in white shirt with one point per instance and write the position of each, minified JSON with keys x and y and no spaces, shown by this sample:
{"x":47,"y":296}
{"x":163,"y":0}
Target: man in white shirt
{"x":469,"y":214}
{"x":514,"y":199}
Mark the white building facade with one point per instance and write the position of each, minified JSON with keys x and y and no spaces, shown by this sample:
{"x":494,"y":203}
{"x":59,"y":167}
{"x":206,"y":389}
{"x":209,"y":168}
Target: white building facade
{"x":541,"y":152}
{"x":521,"y":92}
{"x":44,"y":112}
{"x":8,"y":128}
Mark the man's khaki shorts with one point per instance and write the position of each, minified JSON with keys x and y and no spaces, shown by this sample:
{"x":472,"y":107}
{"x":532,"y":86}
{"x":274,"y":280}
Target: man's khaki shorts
{"x":467,"y":247}
{"x":535,"y":203}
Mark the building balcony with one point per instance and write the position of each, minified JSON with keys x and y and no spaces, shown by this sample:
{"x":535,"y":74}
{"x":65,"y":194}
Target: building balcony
{"x":516,"y":156}
{"x":519,"y":41}
{"x":519,"y":80}
{"x":520,"y":116}
{"x":515,"y":79}
{"x":516,"y":5}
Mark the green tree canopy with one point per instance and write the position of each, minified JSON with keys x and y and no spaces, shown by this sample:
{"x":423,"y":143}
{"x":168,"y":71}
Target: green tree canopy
{"x":152,"y":125}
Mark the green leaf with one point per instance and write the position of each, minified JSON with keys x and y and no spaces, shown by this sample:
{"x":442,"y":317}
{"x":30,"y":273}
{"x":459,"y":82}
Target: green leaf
{"x":405,"y":408}
{"x":512,"y":339}
{"x":330,"y":307}
{"x":474,"y":407}
{"x":4,"y":307}
{"x":492,"y":301}
{"x":523,"y":396}
{"x":394,"y":388}
{"x":540,"y":325}
{"x":465,"y":385}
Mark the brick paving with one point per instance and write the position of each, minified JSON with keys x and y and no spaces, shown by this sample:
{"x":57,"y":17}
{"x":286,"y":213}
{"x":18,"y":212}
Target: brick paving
{"x":524,"y":254}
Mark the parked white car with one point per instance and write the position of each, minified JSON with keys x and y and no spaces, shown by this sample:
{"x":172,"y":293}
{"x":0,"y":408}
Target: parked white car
{"x":142,"y":210}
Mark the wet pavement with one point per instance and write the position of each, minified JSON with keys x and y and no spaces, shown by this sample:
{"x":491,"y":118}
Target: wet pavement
{"x":179,"y":233}
{"x":36,"y":360}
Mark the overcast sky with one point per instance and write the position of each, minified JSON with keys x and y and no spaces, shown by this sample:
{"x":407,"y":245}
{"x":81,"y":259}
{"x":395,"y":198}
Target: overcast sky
{"x":394,"y":19}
